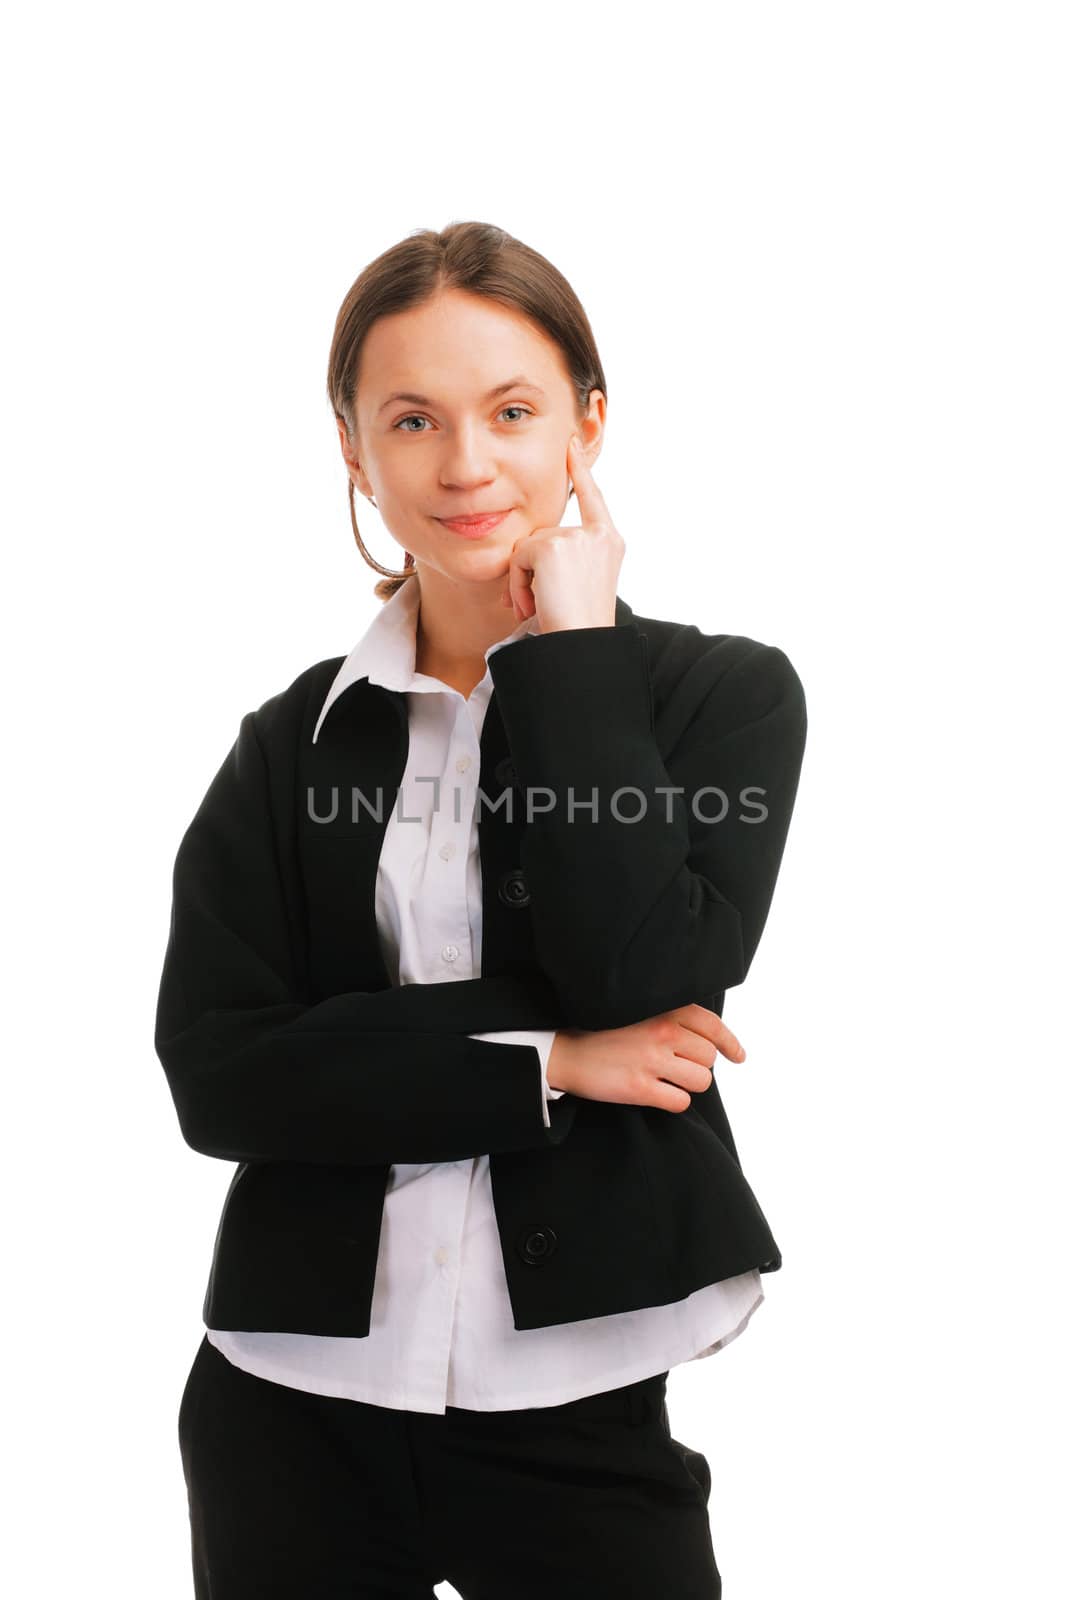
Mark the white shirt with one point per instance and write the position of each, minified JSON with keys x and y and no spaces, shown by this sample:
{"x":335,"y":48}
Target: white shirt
{"x":441,"y":1323}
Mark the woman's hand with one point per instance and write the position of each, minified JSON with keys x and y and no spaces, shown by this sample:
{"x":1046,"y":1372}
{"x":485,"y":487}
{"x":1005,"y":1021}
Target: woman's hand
{"x":662,"y":1061}
{"x":577,"y":569}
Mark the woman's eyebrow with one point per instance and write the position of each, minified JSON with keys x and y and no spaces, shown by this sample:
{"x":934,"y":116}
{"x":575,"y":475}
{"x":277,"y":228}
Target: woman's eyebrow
{"x":501,"y":388}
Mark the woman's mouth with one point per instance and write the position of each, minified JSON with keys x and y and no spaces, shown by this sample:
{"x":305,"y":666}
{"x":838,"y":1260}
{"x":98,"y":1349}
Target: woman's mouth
{"x":474,"y":527}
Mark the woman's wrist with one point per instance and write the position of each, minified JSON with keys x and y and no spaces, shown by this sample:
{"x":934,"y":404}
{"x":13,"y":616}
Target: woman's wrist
{"x":560,"y":1059}
{"x":554,"y":1067}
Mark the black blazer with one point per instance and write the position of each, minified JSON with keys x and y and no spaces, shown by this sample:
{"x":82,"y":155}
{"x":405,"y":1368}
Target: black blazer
{"x":287,"y":1051}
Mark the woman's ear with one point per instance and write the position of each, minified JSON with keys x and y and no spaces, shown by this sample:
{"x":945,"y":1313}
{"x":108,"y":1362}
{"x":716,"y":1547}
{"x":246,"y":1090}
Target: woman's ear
{"x":355,"y":471}
{"x":346,"y":443}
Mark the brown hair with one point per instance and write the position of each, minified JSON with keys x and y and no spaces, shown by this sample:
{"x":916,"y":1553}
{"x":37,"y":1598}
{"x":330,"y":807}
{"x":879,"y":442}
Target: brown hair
{"x":481,"y":259}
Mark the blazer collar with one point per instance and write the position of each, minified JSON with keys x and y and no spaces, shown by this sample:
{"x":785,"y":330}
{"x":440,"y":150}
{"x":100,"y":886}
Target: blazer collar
{"x":385,"y":654}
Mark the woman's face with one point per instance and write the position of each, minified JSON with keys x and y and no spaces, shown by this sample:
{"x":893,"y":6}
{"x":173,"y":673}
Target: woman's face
{"x":462,"y":449}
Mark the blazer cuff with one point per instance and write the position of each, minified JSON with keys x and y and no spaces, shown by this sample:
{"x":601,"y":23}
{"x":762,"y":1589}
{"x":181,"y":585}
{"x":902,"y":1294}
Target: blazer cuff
{"x":543,"y":1038}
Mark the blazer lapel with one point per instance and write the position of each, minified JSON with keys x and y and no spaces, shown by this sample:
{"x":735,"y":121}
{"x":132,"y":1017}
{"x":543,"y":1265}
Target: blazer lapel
{"x":348,"y":783}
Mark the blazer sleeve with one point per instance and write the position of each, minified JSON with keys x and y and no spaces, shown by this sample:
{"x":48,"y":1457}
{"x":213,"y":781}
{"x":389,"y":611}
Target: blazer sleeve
{"x":659,"y":898}
{"x":257,"y":1074}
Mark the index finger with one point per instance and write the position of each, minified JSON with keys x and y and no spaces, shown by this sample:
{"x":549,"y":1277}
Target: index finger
{"x":592,"y":507}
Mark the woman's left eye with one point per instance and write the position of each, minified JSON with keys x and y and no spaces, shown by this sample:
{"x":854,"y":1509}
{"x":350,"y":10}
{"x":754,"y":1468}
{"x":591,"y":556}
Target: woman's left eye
{"x":522,"y":410}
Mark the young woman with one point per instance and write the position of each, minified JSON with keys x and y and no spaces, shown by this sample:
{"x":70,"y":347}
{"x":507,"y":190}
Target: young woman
{"x":451,"y":932}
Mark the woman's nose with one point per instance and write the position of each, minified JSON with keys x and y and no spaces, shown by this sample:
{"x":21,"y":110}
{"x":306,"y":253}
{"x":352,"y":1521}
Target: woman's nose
{"x":466,"y":461}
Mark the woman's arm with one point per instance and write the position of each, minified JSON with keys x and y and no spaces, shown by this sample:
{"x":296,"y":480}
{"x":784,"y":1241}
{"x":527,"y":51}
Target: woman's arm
{"x":634,"y":918}
{"x":390,"y":1076}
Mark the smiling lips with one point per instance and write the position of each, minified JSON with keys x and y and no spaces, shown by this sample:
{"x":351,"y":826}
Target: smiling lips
{"x":474,"y":527}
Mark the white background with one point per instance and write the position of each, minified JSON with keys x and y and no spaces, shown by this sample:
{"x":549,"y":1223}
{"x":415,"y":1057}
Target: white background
{"x":822,"y":250}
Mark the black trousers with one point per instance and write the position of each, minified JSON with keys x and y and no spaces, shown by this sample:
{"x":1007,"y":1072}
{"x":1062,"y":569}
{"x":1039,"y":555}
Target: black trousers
{"x":310,"y":1497}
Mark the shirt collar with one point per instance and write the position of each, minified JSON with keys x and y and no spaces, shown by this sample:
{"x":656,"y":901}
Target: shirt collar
{"x":385,"y":655}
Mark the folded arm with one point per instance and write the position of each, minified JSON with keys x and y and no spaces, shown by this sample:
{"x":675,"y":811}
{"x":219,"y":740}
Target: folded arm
{"x":391,"y":1076}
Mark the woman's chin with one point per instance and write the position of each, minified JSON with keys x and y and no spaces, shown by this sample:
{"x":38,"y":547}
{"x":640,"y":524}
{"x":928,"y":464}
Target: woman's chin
{"x":484,"y":556}
{"x":473,"y":564}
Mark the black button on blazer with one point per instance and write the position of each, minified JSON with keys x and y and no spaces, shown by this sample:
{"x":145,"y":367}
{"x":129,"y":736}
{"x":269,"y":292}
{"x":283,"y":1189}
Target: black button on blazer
{"x":286,"y":1050}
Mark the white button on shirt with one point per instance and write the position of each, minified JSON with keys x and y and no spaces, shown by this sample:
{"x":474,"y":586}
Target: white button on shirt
{"x":441,"y":1323}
